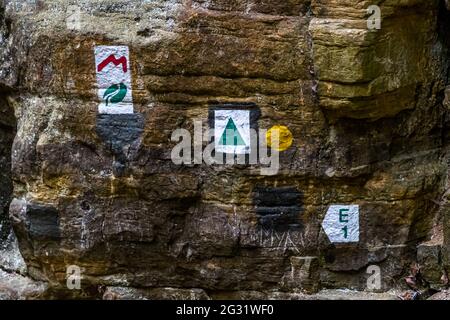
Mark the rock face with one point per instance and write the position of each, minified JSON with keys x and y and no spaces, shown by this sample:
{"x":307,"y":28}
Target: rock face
{"x":365,"y":108}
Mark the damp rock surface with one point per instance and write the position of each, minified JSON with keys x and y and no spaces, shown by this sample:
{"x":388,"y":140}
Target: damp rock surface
{"x":366,"y":109}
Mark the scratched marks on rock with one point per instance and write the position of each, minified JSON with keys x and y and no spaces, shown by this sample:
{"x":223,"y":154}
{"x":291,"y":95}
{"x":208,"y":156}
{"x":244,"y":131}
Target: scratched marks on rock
{"x":281,"y":240}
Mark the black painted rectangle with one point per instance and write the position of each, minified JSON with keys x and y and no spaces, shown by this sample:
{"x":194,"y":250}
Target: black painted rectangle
{"x":278,"y":207}
{"x":43,"y":221}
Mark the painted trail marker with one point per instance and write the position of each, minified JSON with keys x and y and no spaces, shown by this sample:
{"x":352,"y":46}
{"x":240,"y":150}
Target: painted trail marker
{"x":112,"y":64}
{"x":232,"y":131}
{"x":341,"y":223}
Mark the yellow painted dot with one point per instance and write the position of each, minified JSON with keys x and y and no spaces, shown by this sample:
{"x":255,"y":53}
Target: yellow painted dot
{"x":285,"y":137}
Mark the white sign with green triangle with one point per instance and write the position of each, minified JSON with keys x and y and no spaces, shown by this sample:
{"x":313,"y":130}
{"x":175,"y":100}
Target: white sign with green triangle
{"x":232,"y":131}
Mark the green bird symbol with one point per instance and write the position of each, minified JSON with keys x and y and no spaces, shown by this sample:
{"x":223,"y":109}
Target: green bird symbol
{"x":115,"y":94}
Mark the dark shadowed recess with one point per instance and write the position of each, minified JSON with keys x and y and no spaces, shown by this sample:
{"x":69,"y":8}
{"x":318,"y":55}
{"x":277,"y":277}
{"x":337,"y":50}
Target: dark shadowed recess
{"x":444,"y":34}
{"x":7,"y":133}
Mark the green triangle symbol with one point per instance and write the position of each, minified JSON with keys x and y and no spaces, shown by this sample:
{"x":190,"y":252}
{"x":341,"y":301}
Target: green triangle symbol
{"x":231,"y":135}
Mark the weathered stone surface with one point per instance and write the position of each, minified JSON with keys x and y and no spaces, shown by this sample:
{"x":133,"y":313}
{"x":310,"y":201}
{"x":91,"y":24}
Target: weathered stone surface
{"x":17,"y":287}
{"x":366,"y":109}
{"x":10,"y":258}
{"x":444,"y":295}
{"x":303,"y":275}
{"x":124,"y":293}
{"x":328,"y":294}
{"x":429,"y":258}
{"x":370,"y":74}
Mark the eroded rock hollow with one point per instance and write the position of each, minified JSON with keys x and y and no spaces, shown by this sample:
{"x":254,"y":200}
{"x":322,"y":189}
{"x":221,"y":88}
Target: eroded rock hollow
{"x":366,"y":109}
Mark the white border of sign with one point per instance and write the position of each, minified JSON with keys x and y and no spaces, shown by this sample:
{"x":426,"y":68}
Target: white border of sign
{"x":241,"y":119}
{"x":112,"y":65}
{"x":348,"y":225}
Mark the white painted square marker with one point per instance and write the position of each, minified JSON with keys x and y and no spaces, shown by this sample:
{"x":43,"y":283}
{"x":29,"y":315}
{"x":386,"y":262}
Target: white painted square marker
{"x":232,"y":131}
{"x":112,"y":65}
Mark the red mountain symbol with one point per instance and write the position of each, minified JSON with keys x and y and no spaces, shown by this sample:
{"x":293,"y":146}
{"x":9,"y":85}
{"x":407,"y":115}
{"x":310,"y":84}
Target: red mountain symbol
{"x":112,"y":59}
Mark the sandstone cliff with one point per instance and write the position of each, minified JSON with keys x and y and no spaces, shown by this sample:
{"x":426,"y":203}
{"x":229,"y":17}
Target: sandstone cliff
{"x":367,"y":110}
